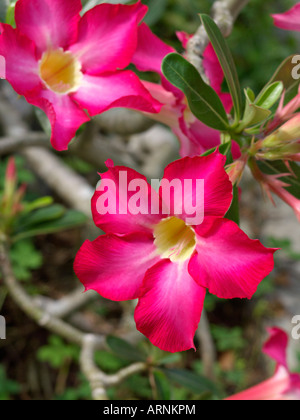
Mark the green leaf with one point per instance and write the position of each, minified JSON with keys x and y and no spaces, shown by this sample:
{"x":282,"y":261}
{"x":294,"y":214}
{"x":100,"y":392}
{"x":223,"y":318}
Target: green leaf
{"x":125,"y":350}
{"x":42,"y":215}
{"x":69,"y":220}
{"x":156,"y":9}
{"x":109,"y":362}
{"x":234,"y":210}
{"x":228,"y":338}
{"x":170,"y":358}
{"x":57,"y":352}
{"x":278,"y":167}
{"x":224,"y":149}
{"x":192,"y":381}
{"x":204,"y":103}
{"x":226,"y":60}
{"x":253,"y":114}
{"x":250,"y":94}
{"x":25,"y":258}
{"x":162,"y":385}
{"x":8,"y":387}
{"x":10,"y":14}
{"x":284,"y":74}
{"x":269,"y":95}
{"x":37,"y":204}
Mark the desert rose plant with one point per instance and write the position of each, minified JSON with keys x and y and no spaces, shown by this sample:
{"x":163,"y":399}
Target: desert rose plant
{"x":167,"y":243}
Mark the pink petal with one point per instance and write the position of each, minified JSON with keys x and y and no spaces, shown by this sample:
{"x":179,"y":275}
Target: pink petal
{"x":107,"y":37}
{"x":289,"y":20}
{"x":114,"y":193}
{"x":276,"y":346}
{"x":170,"y":307}
{"x":272,"y":389}
{"x":21,"y":65}
{"x":115,"y":267}
{"x":48,"y":23}
{"x":217,"y":187}
{"x":120,"y":89}
{"x":214,"y":72}
{"x":196,"y":138}
{"x":64,"y":114}
{"x":227,"y":262}
{"x":171,"y":111}
{"x":150,"y":50}
{"x":184,"y":38}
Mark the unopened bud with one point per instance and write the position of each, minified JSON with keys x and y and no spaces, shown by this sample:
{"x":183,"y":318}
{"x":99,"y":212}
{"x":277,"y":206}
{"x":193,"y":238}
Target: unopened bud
{"x":236,"y":169}
{"x":288,"y":132}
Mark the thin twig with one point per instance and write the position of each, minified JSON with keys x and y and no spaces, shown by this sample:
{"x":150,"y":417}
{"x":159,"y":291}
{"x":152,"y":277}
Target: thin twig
{"x":14,"y":144}
{"x":208,"y":351}
{"x":224,"y":13}
{"x":123,"y":121}
{"x":70,"y":186}
{"x":98,"y":380}
{"x":32,"y":310}
{"x":66,"y":305}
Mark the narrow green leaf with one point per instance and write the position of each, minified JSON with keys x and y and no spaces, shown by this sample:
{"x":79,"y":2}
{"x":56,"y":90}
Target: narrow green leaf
{"x":269,"y":95}
{"x":192,"y":381}
{"x":125,"y":350}
{"x":284,"y":74}
{"x":253,"y":114}
{"x":250,"y":94}
{"x":170,"y":358}
{"x":156,"y":9}
{"x":10,"y":14}
{"x":39,"y":216}
{"x":162,"y":385}
{"x":234,"y":210}
{"x":203,"y":100}
{"x":69,"y":220}
{"x":37,"y":204}
{"x":226,"y":60}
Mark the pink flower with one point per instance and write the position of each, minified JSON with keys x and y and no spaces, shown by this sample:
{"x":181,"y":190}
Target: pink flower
{"x":163,"y":259}
{"x":66,"y":64}
{"x":195,"y":137}
{"x":289,"y":20}
{"x":283,"y":385}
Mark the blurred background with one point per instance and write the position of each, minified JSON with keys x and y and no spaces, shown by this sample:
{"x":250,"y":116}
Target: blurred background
{"x":38,"y":364}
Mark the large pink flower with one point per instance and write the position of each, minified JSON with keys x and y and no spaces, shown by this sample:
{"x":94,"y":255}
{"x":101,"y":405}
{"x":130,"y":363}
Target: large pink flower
{"x":289,"y":20}
{"x":66,"y":64}
{"x":195,"y":137}
{"x":283,"y":385}
{"x":162,"y":255}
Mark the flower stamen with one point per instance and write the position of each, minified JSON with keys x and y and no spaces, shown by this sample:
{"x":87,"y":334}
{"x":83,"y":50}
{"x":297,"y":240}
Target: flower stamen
{"x":174,"y":239}
{"x":60,"y":71}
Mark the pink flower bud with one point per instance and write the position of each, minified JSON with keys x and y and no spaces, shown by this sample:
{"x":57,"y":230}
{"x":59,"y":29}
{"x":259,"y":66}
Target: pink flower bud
{"x":236,"y":169}
{"x":288,"y":132}
{"x":11,"y":172}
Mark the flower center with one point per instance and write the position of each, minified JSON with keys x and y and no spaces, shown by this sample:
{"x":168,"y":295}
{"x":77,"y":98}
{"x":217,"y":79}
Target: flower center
{"x":174,"y":239}
{"x":60,"y":71}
